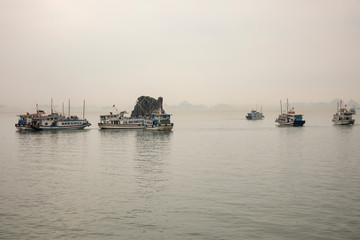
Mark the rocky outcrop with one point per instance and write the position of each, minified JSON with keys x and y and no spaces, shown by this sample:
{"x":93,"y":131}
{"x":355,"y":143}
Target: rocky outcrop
{"x":145,"y":105}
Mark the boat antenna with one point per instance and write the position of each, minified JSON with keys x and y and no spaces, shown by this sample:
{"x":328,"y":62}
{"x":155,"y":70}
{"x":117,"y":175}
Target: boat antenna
{"x":63,"y":112}
{"x":69,"y":107}
{"x":51,"y":106}
{"x":84,"y":110}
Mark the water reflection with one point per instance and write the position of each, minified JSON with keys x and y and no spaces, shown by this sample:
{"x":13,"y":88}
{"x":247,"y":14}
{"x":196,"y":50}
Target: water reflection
{"x":118,"y":133}
{"x":45,"y":139}
{"x":116,"y":143}
{"x":51,"y":145}
{"x":152,"y":156}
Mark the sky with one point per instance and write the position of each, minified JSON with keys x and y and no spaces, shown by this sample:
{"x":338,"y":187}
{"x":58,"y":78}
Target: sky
{"x":200,"y":51}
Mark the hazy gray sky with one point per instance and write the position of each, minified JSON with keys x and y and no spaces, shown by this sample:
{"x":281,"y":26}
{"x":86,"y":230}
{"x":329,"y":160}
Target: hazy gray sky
{"x":205,"y":52}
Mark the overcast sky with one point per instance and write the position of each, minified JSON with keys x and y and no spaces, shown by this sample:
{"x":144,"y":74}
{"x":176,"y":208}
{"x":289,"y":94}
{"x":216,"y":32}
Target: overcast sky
{"x":204,"y":52}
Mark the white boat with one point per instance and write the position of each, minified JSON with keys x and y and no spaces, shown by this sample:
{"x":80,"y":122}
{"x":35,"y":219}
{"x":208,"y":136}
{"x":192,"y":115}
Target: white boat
{"x":290,"y":118}
{"x":119,"y":121}
{"x":255,"y":115}
{"x":25,"y":120}
{"x":343,"y":116}
{"x":56,"y":121}
{"x":159,"y":121}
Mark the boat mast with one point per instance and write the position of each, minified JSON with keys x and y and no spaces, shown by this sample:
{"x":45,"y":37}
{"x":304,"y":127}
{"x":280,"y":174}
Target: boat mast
{"x":63,"y":109}
{"x":51,"y":106}
{"x":84,"y":110}
{"x":69,"y":108}
{"x":340,"y":104}
{"x":280,"y":106}
{"x":287,"y":105}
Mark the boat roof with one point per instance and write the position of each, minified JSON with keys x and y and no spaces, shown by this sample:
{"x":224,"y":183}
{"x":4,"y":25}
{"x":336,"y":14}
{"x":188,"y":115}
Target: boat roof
{"x":40,"y":112}
{"x":110,"y":115}
{"x":292,"y":114}
{"x":162,"y":114}
{"x":116,"y":114}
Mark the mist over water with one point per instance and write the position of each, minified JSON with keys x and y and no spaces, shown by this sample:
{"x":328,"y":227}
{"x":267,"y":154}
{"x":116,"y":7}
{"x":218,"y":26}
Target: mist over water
{"x":215,"y":176}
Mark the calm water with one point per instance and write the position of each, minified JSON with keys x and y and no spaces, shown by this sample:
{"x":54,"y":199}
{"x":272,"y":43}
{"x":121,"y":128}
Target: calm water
{"x":216,"y":176}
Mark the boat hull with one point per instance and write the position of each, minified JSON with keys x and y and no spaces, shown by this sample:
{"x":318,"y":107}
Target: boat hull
{"x":76,"y":127}
{"x":344,"y":122}
{"x":162,"y":127}
{"x":120,"y":126}
{"x":254,"y":118}
{"x":291,"y":124}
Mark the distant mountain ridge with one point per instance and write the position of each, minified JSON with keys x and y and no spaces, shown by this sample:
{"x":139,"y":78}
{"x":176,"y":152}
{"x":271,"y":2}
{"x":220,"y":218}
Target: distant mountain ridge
{"x":351,"y":104}
{"x":186,"y":106}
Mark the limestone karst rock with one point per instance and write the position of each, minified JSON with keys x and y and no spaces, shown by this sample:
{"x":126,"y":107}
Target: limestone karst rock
{"x":145,"y":105}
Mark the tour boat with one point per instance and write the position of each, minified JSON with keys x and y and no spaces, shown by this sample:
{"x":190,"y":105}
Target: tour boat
{"x":56,"y":121}
{"x":25,"y":120}
{"x":159,"y":121}
{"x":343,"y":116}
{"x":119,"y":121}
{"x":290,"y":118}
{"x":254,"y":115}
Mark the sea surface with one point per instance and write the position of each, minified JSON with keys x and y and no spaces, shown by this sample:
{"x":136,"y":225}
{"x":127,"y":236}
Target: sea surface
{"x":215,"y":176}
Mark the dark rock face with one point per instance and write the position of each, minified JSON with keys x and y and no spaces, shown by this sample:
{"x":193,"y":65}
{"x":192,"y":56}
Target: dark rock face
{"x":145,"y":105}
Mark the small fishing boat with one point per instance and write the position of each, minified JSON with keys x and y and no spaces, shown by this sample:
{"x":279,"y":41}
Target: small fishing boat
{"x":119,"y":121}
{"x":255,"y":115}
{"x":342,"y":116}
{"x":159,"y":121}
{"x":289,"y":118}
{"x":25,"y":120}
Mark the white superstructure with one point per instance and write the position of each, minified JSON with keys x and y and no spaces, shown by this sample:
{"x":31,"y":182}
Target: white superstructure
{"x":57,"y":121}
{"x":119,"y":121}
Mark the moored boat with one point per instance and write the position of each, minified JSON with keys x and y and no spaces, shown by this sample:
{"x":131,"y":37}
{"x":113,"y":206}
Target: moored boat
{"x":159,"y":121}
{"x":255,"y":115}
{"x":56,"y":121}
{"x":290,"y":118}
{"x":343,"y":116}
{"x":25,"y":120}
{"x":119,"y":121}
